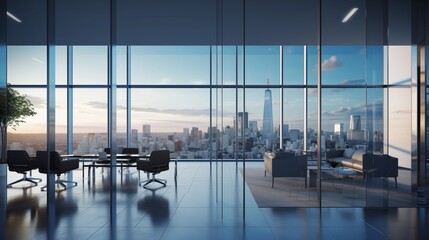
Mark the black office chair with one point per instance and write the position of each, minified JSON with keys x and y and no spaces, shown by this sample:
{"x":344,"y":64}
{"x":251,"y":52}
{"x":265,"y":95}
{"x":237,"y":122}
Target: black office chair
{"x":131,"y":151}
{"x":158,"y":162}
{"x":19,"y":161}
{"x":58,"y":166}
{"x":107,"y":150}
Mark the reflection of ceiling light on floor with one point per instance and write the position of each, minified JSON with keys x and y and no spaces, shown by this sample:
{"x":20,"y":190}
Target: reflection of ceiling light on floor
{"x":13,"y":17}
{"x":349,"y":15}
{"x":37,"y":60}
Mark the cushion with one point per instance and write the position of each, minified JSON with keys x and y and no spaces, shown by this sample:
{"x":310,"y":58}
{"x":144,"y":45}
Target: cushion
{"x":348,"y":153}
{"x":358,"y":155}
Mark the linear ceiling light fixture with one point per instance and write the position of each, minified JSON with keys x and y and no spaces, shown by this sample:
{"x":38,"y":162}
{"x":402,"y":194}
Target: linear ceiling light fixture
{"x":349,"y":15}
{"x":13,"y":17}
{"x":37,"y":60}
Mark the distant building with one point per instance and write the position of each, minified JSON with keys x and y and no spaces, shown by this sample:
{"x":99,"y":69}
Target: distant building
{"x":243,"y":123}
{"x":253,"y":126}
{"x":294,"y":135}
{"x":134,"y":136}
{"x":267,"y":120}
{"x":355,"y":122}
{"x":285,"y":131}
{"x":355,"y":135}
{"x":338,"y":128}
{"x":146,"y":130}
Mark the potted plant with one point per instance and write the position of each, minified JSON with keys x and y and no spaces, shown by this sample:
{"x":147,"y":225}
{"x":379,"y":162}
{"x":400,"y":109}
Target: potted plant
{"x":12,"y":114}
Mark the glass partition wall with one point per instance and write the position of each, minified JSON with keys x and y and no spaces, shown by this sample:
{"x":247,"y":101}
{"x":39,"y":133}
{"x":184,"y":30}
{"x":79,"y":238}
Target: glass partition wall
{"x":173,"y":111}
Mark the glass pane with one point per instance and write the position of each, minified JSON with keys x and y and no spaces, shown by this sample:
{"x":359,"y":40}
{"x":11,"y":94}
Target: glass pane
{"x":121,"y":119}
{"x":374,"y":65}
{"x":89,"y":120}
{"x":399,"y":65}
{"x":61,"y":120}
{"x":31,"y":134}
{"x":90,"y":65}
{"x":262,"y":65}
{"x":263,"y":107}
{"x":311,"y":65}
{"x":230,"y":62}
{"x":293,"y":120}
{"x":121,"y":64}
{"x":293,"y":65}
{"x":343,"y":65}
{"x":32,"y":58}
{"x":167,"y":65}
{"x":344,"y":130}
{"x":173,"y":119}
{"x":61,"y":65}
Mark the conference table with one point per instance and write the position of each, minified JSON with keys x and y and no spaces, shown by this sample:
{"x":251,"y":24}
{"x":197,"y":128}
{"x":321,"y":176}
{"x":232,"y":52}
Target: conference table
{"x":95,"y":160}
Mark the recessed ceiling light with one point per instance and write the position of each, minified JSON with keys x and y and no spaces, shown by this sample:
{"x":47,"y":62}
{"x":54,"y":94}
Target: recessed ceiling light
{"x":13,"y":17}
{"x":349,"y":15}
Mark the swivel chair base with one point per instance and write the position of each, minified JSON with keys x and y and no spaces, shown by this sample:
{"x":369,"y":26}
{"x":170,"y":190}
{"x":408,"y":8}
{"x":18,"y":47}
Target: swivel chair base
{"x":153,"y":179}
{"x":34,"y":181}
{"x":60,"y":182}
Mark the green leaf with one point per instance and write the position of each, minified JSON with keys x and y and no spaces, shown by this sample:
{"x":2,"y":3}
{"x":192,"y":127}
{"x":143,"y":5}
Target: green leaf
{"x":18,"y":108}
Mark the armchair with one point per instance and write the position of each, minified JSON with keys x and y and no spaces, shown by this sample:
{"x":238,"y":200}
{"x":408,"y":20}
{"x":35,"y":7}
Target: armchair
{"x":57,"y":166}
{"x":158,"y":162}
{"x":19,"y":161}
{"x":284,"y":164}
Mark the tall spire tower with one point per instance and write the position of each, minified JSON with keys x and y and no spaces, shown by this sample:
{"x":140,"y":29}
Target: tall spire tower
{"x":267,"y":121}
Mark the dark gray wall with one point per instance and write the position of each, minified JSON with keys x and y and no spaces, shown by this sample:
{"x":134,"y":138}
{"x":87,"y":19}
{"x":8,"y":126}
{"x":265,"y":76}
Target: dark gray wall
{"x":203,"y":22}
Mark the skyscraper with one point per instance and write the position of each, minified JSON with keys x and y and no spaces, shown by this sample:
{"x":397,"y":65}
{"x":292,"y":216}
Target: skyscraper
{"x":355,"y":122}
{"x":243,"y":123}
{"x":134,"y":136}
{"x":355,"y":135}
{"x":338,"y":128}
{"x":146,"y":130}
{"x":267,"y":120}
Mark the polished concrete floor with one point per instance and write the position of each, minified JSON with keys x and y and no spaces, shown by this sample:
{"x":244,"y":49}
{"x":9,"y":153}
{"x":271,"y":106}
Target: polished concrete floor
{"x":201,"y":201}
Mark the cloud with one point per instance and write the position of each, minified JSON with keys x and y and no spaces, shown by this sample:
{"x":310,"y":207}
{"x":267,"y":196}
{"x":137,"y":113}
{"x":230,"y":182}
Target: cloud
{"x":353,"y":82}
{"x":98,"y":105}
{"x":102,"y":105}
{"x":38,"y":102}
{"x":331,"y":63}
{"x":340,"y":113}
{"x":182,"y":112}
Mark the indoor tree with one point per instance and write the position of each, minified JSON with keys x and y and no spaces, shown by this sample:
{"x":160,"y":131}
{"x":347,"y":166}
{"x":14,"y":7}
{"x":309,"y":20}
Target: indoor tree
{"x":11,"y":115}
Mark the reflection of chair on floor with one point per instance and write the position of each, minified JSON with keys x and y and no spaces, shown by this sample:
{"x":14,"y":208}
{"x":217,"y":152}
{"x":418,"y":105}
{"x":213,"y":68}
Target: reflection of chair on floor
{"x":21,"y":210}
{"x":58,"y":166}
{"x":158,"y":161}
{"x":19,"y":161}
{"x":65,"y":206}
{"x":157,"y":207}
{"x":284,"y":164}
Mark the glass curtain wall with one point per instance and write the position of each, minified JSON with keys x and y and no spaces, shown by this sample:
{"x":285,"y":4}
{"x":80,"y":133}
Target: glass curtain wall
{"x":234,"y":103}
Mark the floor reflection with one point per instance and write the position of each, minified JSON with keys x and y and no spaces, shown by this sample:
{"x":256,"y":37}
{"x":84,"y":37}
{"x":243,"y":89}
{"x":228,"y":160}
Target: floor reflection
{"x":194,"y":206}
{"x":65,"y":207}
{"x":157,"y":206}
{"x":21,"y":212}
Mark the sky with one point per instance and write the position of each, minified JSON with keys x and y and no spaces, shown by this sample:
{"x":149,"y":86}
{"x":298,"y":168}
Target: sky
{"x":171,"y":110}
